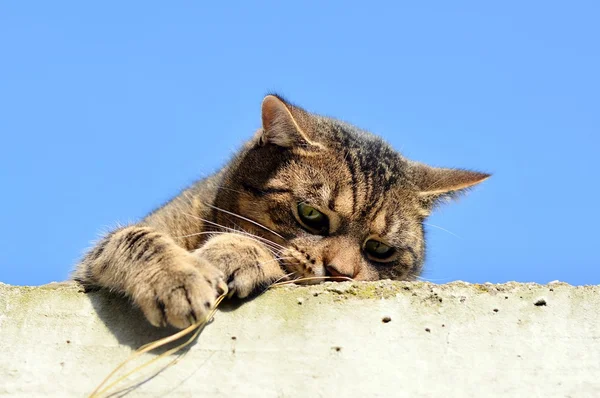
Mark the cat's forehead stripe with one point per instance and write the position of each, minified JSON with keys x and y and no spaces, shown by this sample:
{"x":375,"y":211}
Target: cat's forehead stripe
{"x":350,"y":165}
{"x":379,"y":224}
{"x":392,"y":224}
{"x":343,"y":202}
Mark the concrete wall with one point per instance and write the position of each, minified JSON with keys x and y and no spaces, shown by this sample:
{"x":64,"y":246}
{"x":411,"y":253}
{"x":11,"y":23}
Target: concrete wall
{"x":333,"y":339}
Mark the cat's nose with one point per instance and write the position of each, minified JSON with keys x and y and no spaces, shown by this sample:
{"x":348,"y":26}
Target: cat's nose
{"x":338,"y":273}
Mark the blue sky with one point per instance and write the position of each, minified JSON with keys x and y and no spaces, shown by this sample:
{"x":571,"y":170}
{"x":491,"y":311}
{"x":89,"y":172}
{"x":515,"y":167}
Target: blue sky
{"x":109,"y":109}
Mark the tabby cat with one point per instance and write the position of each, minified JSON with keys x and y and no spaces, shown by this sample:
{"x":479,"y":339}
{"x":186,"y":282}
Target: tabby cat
{"x":307,"y":196}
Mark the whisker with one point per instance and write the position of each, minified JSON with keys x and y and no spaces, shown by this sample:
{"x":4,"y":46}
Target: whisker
{"x":275,"y":259}
{"x":275,"y":251}
{"x":246,"y":219}
{"x":199,"y":233}
{"x":264,"y":240}
{"x":276,"y":281}
{"x":239,"y":216}
{"x":233,"y":231}
{"x":272,"y":249}
{"x":312,"y":278}
{"x":258,"y":238}
{"x":283,"y":277}
{"x":241,"y":230}
{"x":443,"y":229}
{"x":432,"y":280}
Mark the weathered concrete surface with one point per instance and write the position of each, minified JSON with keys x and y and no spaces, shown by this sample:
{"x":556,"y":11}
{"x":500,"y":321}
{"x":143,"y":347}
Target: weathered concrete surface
{"x":328,"y":340}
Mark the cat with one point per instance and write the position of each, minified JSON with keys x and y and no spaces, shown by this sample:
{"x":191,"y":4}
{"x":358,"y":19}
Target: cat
{"x":307,"y":197}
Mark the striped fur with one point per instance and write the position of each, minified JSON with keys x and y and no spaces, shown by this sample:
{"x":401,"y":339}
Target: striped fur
{"x":239,"y":229}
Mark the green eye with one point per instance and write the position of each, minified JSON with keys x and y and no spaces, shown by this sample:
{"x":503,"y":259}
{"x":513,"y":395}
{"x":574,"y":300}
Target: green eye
{"x":313,"y":218}
{"x":378,"y":250}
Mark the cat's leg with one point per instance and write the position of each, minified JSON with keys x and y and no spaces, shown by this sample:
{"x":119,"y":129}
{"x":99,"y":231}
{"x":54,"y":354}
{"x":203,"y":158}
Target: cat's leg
{"x":249,"y":266}
{"x":169,"y":284}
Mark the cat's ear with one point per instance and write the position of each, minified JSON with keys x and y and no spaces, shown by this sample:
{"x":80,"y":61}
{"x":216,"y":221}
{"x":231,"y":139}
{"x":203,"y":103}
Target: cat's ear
{"x":283,"y":124}
{"x":436,"y":184}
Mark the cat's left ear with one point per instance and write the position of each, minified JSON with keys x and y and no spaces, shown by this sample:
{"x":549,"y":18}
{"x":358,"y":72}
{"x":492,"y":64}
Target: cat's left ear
{"x":283,"y":124}
{"x":436,"y":183}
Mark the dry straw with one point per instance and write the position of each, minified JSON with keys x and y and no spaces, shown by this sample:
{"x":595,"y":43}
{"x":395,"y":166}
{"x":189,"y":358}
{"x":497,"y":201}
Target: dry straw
{"x":196,"y":328}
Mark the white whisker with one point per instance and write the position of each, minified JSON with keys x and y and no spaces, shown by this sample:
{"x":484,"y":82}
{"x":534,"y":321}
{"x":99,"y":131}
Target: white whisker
{"x":246,"y":219}
{"x":443,"y":229}
{"x":275,"y":259}
{"x":438,"y":280}
{"x":257,"y":238}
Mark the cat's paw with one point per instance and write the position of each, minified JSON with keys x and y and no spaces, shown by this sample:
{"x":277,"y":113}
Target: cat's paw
{"x":249,"y":266}
{"x":181,"y":294}
{"x":254,"y":278}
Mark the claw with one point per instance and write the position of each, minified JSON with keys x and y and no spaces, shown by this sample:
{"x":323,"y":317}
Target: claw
{"x":222,"y":288}
{"x":231,"y":289}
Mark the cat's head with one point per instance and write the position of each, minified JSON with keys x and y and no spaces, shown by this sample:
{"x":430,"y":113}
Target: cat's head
{"x":343,"y":202}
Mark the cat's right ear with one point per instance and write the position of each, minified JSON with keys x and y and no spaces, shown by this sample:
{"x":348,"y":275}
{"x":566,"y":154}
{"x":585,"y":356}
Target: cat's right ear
{"x":282,"y":124}
{"x":436,"y":184}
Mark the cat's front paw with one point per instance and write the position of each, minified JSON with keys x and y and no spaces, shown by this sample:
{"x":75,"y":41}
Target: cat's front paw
{"x":181,"y":294}
{"x":248,"y":265}
{"x":254,"y":278}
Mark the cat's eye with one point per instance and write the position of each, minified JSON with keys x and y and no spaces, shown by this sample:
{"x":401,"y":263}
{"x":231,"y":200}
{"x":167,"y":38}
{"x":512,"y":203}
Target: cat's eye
{"x":312,"y":218}
{"x":379,"y":251}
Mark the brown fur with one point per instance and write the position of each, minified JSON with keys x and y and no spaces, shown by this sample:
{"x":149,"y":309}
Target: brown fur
{"x":240,"y":230}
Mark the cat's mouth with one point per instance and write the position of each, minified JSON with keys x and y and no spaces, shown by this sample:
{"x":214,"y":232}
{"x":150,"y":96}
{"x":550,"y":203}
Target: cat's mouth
{"x":307,"y":269}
